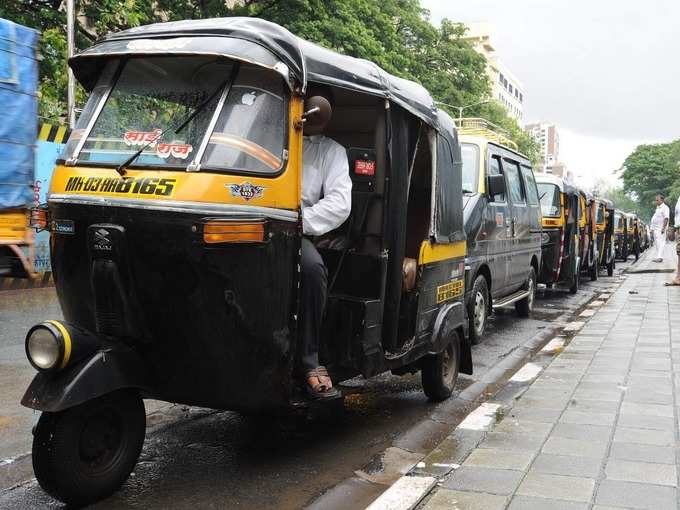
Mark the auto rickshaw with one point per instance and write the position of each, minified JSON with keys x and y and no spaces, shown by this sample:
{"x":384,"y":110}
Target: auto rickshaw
{"x":605,"y":217}
{"x":620,"y":235}
{"x":560,"y":206}
{"x":633,"y":234}
{"x":175,"y":215}
{"x":587,"y":234}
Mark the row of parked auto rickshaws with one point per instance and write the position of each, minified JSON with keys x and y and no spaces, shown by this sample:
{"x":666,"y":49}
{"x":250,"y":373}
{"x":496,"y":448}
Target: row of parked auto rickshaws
{"x":175,"y":220}
{"x":583,"y":234}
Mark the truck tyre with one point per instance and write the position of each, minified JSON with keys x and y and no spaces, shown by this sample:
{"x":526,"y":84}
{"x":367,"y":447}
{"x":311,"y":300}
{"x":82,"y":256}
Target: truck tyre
{"x":439,"y":372}
{"x":478,"y":309}
{"x":85,"y":453}
{"x":523,"y":307}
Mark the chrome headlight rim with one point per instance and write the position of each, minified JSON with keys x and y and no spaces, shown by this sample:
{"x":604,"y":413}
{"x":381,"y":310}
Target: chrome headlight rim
{"x":59,"y":340}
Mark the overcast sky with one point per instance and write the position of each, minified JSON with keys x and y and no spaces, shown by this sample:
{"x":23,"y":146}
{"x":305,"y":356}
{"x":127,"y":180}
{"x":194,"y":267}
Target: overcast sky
{"x":606,"y":72}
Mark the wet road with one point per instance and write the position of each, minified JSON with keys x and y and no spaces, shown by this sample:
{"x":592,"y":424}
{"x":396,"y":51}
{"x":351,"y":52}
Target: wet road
{"x":205,"y":459}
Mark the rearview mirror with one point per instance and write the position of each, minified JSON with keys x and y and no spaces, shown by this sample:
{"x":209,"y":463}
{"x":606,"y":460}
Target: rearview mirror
{"x":495,"y":185}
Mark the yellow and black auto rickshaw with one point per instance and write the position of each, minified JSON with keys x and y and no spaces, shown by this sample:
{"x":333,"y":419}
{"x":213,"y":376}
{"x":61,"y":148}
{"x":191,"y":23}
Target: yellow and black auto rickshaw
{"x":561,"y":259}
{"x":175,"y":214}
{"x":605,"y":217}
{"x":588,"y":250}
{"x":633,"y":234}
{"x":620,"y":235}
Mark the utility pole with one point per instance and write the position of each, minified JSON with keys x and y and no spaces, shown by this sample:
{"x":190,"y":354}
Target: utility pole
{"x":70,"y":41}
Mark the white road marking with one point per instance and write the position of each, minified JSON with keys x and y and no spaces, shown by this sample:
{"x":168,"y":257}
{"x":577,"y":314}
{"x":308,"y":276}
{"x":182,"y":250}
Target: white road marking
{"x":527,"y":373}
{"x":574,"y":326}
{"x":482,"y":418}
{"x":404,"y":494}
{"x":555,"y":344}
{"x":587,"y":313}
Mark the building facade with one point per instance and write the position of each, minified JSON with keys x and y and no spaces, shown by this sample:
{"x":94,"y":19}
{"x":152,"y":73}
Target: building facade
{"x":547,"y":137}
{"x":506,"y":88}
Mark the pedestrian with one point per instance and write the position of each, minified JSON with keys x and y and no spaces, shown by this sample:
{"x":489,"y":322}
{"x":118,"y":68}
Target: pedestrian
{"x":659,"y":224}
{"x":676,"y":225}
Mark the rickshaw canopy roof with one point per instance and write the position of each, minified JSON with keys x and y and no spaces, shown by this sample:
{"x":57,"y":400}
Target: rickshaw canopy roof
{"x":259,"y":42}
{"x":608,"y":204}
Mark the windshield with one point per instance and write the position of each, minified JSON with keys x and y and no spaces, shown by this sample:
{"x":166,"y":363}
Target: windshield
{"x":470,"y":156}
{"x":550,"y":199}
{"x":600,"y":214}
{"x":154,"y":96}
{"x":617,"y":221}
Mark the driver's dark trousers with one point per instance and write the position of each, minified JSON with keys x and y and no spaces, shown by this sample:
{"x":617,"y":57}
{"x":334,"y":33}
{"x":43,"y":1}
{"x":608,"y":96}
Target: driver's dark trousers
{"x":313,"y":301}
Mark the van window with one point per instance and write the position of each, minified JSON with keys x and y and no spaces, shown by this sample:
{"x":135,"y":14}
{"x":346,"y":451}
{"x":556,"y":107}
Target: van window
{"x":470,"y":155}
{"x":514,"y":181}
{"x":530,"y":185}
{"x":495,"y":169}
{"x":550,"y":199}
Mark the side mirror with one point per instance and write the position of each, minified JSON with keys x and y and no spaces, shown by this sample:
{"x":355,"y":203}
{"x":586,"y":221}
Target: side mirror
{"x":495,"y":185}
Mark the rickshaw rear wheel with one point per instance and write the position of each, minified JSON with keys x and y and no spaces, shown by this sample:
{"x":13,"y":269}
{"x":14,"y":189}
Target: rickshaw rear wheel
{"x":594,"y":270}
{"x":85,"y":453}
{"x":524,"y":306}
{"x":439,"y":372}
{"x":575,"y":282}
{"x":610,"y":268}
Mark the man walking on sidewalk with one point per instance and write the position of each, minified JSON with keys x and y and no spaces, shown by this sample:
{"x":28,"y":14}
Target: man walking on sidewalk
{"x":659,"y":224}
{"x":675,"y":282}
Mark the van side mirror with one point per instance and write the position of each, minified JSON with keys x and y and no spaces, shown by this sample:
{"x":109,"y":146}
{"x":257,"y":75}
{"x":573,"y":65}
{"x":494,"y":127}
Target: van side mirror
{"x":495,"y":185}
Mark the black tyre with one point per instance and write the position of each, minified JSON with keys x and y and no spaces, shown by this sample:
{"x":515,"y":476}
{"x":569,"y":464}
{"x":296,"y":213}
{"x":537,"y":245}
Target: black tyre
{"x":439,"y":373}
{"x":610,"y":268}
{"x":523,"y":307}
{"x":575,"y":281}
{"x":85,"y":453}
{"x":478,"y":309}
{"x":594,"y":271}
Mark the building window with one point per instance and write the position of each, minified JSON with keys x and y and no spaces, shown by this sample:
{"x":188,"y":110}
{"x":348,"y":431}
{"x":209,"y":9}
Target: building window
{"x":521,"y":97}
{"x":500,"y":78}
{"x":510,"y":87}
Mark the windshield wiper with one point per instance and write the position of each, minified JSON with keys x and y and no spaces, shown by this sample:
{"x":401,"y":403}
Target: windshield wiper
{"x":226,"y":83}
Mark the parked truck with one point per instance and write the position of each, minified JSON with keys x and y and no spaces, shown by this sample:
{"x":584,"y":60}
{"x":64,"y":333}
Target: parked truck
{"x":18,"y":104}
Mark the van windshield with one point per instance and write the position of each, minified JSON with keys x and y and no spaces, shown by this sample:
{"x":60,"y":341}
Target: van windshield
{"x":550,"y":199}
{"x":470,"y":156}
{"x":146,"y":99}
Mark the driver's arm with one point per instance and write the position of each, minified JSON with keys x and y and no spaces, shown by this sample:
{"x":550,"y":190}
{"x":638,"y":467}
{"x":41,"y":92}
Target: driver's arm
{"x":333,"y":209}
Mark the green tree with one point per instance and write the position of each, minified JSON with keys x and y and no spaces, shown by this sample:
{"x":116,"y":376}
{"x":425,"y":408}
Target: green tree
{"x":651,"y":169}
{"x":623,"y":201}
{"x":395,"y":34}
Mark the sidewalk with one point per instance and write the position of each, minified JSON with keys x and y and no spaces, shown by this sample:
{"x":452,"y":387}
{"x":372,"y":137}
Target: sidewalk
{"x":594,"y":427}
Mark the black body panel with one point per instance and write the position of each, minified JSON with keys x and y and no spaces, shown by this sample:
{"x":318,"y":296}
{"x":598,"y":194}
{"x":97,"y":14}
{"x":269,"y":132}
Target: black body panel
{"x":190,"y":310}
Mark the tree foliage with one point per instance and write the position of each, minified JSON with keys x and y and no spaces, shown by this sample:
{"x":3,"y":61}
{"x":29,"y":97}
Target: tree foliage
{"x":395,"y":34}
{"x":651,"y":169}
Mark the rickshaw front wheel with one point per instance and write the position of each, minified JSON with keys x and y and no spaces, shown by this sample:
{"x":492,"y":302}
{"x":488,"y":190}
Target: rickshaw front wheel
{"x":439,"y":372}
{"x":85,"y":453}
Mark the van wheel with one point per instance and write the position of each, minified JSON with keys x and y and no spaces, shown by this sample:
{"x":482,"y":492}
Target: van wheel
{"x":523,"y":307}
{"x":439,"y":373}
{"x":478,"y":309}
{"x":85,"y":453}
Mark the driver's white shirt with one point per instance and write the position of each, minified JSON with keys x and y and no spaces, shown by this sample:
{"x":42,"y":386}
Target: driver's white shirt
{"x":326,"y":185}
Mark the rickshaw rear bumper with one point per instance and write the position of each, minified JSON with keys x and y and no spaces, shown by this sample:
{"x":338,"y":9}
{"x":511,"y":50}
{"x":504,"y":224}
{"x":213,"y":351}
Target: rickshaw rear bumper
{"x":106,"y":370}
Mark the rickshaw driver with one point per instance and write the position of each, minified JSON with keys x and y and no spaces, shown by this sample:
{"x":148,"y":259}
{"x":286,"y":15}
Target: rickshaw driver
{"x":326,"y":204}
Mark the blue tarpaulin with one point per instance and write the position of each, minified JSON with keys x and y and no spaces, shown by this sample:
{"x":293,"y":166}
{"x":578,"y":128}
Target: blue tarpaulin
{"x":19,"y":112}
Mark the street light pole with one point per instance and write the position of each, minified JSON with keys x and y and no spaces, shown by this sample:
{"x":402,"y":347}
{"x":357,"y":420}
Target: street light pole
{"x":461,"y":108}
{"x":70,"y":41}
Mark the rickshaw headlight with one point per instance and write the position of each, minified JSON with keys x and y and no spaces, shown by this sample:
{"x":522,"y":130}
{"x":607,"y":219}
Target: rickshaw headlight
{"x":545,"y":238}
{"x":46,"y":346}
